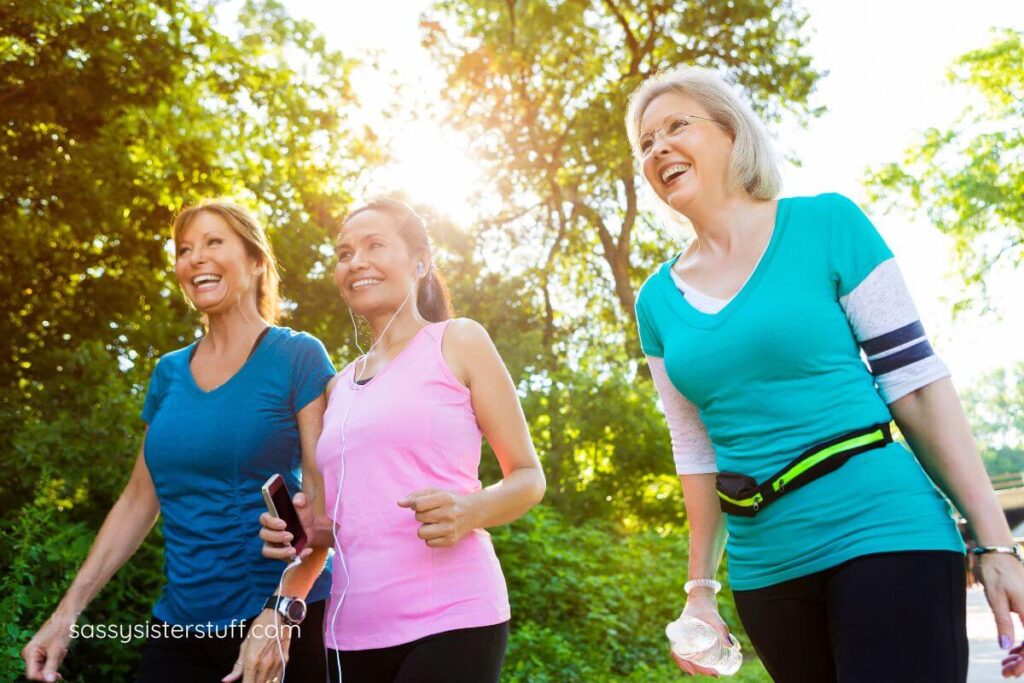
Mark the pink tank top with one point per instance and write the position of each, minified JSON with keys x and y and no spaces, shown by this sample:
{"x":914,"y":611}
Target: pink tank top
{"x":411,"y":427}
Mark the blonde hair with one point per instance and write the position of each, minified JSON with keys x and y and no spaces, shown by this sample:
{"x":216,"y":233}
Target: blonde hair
{"x":753,"y":165}
{"x":245,"y":224}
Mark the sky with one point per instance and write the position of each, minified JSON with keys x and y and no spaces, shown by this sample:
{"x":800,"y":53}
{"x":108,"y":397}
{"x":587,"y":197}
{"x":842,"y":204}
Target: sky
{"x":886,"y":83}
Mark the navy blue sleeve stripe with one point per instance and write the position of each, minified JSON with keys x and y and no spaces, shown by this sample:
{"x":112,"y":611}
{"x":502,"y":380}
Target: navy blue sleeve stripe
{"x":891,"y":340}
{"x":901,"y":359}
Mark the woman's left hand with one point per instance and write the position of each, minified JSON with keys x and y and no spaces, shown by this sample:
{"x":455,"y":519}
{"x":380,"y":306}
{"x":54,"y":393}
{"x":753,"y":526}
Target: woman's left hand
{"x":259,"y":659}
{"x":1003,"y":578}
{"x":444,"y":516}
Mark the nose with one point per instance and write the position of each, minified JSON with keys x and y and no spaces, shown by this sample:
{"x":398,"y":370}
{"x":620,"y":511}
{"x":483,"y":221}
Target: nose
{"x":660,"y":145}
{"x":197,"y":256}
{"x":357,"y":262}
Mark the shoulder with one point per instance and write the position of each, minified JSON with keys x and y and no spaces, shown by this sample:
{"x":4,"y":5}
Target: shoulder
{"x":653,"y":282}
{"x":466,"y":335}
{"x":172,"y":359}
{"x":297,"y":342}
{"x":831,"y":204}
{"x":650,"y":296}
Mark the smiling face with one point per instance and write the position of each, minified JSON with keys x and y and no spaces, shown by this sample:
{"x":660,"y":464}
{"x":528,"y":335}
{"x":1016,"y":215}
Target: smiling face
{"x":688,"y":159}
{"x":214,"y":268}
{"x":375,"y":268}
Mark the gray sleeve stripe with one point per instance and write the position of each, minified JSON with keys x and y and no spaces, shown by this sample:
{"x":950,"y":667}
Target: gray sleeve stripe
{"x":901,"y":359}
{"x":891,"y":340}
{"x":880,"y":304}
{"x":896,"y":384}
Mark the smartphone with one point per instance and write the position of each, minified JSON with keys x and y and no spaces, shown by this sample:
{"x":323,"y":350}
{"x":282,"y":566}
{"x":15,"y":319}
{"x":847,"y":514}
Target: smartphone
{"x":279,"y":503}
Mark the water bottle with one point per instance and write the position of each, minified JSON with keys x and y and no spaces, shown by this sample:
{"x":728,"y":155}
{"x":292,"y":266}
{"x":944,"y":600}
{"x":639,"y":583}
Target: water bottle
{"x":697,"y":642}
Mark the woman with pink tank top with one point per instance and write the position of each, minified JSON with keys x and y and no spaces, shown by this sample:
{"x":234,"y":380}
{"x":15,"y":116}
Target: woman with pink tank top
{"x":418,"y":593}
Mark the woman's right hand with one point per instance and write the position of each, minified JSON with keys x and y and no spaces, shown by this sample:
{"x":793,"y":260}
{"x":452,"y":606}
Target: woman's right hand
{"x":45,"y":652}
{"x":702,"y":604}
{"x":277,"y":543}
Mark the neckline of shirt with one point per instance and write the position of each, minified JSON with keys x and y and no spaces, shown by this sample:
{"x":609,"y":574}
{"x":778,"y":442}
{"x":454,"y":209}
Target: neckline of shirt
{"x":256,"y":349}
{"x":373,"y":380}
{"x":693,"y":315}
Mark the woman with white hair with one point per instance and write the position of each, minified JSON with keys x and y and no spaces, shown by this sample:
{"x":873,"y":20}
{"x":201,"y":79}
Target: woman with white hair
{"x":843,"y":557}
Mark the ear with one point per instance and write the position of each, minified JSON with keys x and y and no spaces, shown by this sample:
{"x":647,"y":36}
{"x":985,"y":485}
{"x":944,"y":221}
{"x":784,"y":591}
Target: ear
{"x":423,"y":264}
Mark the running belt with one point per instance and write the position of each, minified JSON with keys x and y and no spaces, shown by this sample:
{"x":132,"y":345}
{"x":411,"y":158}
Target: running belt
{"x":741,"y":495}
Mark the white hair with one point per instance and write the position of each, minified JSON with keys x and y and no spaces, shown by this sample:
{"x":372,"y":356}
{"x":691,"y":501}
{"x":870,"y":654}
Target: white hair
{"x":753,"y":164}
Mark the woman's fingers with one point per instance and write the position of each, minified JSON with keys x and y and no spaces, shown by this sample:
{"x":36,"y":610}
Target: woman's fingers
{"x":269,"y":521}
{"x":693,"y":669}
{"x":683,"y":664}
{"x":279,"y":537}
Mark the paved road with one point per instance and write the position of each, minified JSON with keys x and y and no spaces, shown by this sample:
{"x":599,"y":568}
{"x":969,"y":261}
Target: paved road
{"x":981,"y":630}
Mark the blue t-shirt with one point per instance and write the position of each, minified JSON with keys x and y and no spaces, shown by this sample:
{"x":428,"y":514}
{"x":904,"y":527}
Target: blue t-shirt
{"x":209,"y":453}
{"x":778,"y":370}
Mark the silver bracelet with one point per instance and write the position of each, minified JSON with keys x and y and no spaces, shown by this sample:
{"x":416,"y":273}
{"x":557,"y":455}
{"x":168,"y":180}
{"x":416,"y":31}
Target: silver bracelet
{"x":1006,"y":549}
{"x":702,"y":583}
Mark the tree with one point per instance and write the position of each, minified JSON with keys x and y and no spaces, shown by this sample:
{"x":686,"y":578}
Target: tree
{"x":995,"y":408}
{"x":118,"y":114}
{"x":541,"y":87}
{"x":115,"y":115}
{"x":969,"y":180}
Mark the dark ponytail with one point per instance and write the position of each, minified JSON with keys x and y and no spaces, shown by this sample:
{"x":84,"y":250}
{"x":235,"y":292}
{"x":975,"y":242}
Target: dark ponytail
{"x":432,"y":298}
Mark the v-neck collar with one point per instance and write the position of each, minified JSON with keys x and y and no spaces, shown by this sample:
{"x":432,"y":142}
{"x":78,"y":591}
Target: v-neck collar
{"x":699,"y":319}
{"x":194,"y":385}
{"x":371,"y":380}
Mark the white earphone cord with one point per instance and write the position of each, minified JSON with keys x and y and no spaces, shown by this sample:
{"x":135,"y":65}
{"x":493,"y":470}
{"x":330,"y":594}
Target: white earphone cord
{"x":356,"y":376}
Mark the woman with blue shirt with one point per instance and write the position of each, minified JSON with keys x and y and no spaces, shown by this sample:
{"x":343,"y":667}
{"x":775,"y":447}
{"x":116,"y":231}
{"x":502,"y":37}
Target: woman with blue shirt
{"x":223,"y":414}
{"x":843,"y":556}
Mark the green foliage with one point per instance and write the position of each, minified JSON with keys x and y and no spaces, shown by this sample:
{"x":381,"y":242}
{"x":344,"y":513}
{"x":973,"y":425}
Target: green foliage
{"x":590,"y":602}
{"x":969,"y":180}
{"x":115,"y":115}
{"x":995,"y":408}
{"x":540,"y":87}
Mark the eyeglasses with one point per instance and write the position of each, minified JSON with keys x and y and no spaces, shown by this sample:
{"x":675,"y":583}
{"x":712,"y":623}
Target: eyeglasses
{"x":673,"y":128}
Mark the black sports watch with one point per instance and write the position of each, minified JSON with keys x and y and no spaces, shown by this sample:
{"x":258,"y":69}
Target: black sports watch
{"x":292,"y":610}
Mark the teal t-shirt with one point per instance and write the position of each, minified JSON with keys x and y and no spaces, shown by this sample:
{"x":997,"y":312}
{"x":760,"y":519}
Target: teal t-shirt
{"x":778,"y":370}
{"x":209,"y":453}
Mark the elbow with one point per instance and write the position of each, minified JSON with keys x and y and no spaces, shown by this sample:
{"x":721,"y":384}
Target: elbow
{"x":538,"y":486}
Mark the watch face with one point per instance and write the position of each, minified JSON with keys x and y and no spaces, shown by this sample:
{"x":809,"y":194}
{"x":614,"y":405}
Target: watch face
{"x":296,"y":611}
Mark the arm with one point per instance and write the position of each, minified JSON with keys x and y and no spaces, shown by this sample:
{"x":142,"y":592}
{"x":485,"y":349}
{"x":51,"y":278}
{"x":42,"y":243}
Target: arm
{"x":933,"y":422}
{"x":298,"y":581}
{"x":694,"y":457}
{"x":259,"y":655}
{"x":123,"y":530}
{"x":447,"y":516}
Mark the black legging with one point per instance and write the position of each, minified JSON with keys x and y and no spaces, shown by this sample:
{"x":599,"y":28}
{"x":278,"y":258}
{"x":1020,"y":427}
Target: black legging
{"x":209,"y":659}
{"x":897,"y":617}
{"x":465,"y":655}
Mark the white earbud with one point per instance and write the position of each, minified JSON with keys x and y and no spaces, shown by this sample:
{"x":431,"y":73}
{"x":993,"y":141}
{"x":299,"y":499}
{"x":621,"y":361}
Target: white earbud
{"x":419,"y":268}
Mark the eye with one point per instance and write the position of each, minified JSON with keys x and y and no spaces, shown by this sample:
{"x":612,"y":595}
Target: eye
{"x":677,"y":126}
{"x":374,"y":245}
{"x":215,"y":240}
{"x":182,"y":251}
{"x":344,"y":255}
{"x":645,"y":144}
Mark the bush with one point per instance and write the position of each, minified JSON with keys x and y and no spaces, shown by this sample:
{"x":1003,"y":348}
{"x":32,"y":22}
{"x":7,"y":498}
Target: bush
{"x":590,"y":602}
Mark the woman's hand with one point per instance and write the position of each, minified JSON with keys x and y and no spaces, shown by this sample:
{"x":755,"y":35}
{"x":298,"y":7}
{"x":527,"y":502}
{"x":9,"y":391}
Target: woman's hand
{"x":444,"y":517}
{"x":277,"y":543}
{"x":45,"y":652}
{"x":1003,"y":578}
{"x":701,"y":604}
{"x":259,"y":659}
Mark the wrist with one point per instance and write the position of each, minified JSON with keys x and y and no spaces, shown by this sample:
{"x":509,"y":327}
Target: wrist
{"x":702,"y":594}
{"x":66,"y":612}
{"x":474,"y":506}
